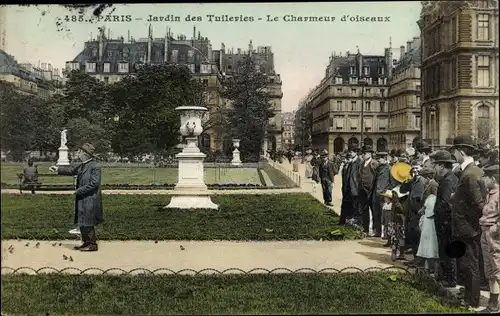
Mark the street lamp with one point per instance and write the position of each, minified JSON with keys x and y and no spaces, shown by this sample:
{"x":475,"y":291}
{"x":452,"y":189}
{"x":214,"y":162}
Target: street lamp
{"x":432,"y":110}
{"x":303,"y":122}
{"x":362,"y":83}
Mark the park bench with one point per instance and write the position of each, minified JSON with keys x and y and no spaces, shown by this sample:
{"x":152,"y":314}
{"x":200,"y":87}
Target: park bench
{"x":41,"y":186}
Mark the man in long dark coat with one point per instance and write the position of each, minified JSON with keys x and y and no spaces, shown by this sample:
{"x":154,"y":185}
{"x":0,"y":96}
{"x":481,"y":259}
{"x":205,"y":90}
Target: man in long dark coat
{"x":467,"y":207}
{"x":383,"y":182}
{"x":326,"y":174}
{"x":448,"y":181}
{"x":88,"y":203}
{"x":415,"y":202}
{"x":350,"y":185}
{"x":367,"y":172}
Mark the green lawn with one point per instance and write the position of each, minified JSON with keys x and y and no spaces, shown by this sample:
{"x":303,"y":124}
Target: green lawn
{"x":138,"y":175}
{"x":301,"y":293}
{"x":240,"y":217}
{"x":277,"y":177}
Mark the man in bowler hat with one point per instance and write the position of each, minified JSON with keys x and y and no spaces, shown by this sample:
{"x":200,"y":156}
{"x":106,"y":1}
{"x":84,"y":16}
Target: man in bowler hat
{"x":448,"y":181}
{"x":467,"y":205}
{"x":367,"y":173}
{"x":88,"y":203}
{"x":350,"y":185}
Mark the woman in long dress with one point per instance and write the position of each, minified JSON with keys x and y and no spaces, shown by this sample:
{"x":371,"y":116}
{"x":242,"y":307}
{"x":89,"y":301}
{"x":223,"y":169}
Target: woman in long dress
{"x":308,"y":164}
{"x":428,"y":246}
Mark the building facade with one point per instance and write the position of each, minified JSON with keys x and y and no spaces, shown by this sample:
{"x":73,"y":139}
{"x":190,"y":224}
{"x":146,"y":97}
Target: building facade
{"x":404,"y":98}
{"x":459,"y":70}
{"x":42,"y":81}
{"x":288,"y":119}
{"x":3,"y":27}
{"x":110,"y":60}
{"x":350,"y":105}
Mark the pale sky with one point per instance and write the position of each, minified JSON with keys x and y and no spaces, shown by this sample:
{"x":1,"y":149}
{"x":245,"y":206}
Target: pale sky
{"x":301,"y":49}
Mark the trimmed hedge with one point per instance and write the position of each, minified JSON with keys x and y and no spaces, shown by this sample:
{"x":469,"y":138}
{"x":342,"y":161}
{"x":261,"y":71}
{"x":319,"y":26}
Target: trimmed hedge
{"x":142,"y":217}
{"x":300,"y":293}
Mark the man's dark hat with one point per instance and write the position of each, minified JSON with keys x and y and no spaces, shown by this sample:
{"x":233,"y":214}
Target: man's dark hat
{"x":381,"y":154}
{"x":353,"y":147}
{"x":367,"y":148}
{"x":443,"y":156}
{"x":464,"y":141}
{"x":492,"y":170}
{"x":426,"y":171}
{"x":88,"y":148}
{"x":422,"y":147}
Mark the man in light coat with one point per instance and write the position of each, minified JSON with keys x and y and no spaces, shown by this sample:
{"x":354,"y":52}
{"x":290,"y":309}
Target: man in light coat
{"x":88,"y":203}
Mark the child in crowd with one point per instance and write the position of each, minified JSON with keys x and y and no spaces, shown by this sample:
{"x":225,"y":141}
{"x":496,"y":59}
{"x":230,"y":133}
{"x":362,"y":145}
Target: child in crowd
{"x":386,"y":219}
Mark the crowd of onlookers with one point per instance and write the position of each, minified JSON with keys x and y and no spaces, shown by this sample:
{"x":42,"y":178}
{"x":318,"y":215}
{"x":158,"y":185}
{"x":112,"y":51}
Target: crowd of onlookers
{"x":440,"y":206}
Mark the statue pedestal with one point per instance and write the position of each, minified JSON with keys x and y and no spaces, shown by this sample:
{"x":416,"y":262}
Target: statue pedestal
{"x":63,"y":156}
{"x":236,"y":158}
{"x":191,"y":191}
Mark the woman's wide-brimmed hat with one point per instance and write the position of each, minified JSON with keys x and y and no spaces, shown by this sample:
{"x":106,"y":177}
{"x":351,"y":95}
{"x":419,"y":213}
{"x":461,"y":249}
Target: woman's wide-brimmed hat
{"x":88,"y":148}
{"x":401,"y":172}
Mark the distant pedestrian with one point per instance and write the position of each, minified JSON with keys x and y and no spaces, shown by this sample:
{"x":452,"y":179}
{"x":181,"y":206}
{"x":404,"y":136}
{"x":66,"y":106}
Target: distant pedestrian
{"x":88,"y":203}
{"x":327,"y":177}
{"x":30,"y":175}
{"x":308,"y":163}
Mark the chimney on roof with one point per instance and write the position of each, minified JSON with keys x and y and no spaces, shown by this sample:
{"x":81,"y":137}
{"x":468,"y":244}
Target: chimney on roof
{"x":199,"y":35}
{"x":50,"y":67}
{"x":194,"y":32}
{"x":402,"y":51}
{"x":408,"y":46}
{"x":128,"y":36}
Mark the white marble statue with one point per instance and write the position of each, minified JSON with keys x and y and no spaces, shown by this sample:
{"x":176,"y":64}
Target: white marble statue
{"x":64,"y":140}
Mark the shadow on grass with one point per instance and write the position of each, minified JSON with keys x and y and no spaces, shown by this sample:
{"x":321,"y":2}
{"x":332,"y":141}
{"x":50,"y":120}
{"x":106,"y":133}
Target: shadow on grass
{"x":384,"y":258}
{"x":373,"y":243}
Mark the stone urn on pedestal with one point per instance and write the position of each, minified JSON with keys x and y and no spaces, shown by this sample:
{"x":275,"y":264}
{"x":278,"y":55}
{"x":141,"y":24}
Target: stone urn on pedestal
{"x":236,"y":153}
{"x":190,"y":191}
{"x":63,"y":150}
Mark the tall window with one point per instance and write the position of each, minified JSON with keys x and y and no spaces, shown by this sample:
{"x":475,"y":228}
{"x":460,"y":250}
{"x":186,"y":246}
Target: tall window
{"x":368,"y":106}
{"x":175,"y":56}
{"x":454,"y":75}
{"x":483,"y":71}
{"x":106,"y":67}
{"x":353,"y":92}
{"x":190,"y":56}
{"x":453,"y":30}
{"x":483,"y":27}
{"x":123,"y":67}
{"x":483,"y":123}
{"x":339,"y":105}
{"x":367,"y":71}
{"x":382,"y":106}
{"x":353,"y":105}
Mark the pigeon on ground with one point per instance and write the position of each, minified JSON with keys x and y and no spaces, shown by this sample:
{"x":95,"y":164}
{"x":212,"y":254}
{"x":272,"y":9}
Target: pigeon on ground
{"x":37,"y":244}
{"x":182,"y":248}
{"x":65,"y":257}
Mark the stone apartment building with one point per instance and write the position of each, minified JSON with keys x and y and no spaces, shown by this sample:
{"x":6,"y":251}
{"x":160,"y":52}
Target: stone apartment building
{"x":351,"y":81}
{"x":459,"y":70}
{"x":42,"y":81}
{"x":288,"y":120}
{"x":110,"y":60}
{"x":404,"y":98}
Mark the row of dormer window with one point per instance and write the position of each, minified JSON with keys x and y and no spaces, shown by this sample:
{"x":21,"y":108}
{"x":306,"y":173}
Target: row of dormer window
{"x":366,"y":70}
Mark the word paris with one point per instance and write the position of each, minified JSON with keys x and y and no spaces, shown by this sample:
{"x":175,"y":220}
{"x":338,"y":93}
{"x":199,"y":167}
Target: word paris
{"x":268,"y":18}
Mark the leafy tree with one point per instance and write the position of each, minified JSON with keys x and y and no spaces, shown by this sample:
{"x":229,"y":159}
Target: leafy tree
{"x":145,"y":107}
{"x":249,"y":111}
{"x":18,"y":120}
